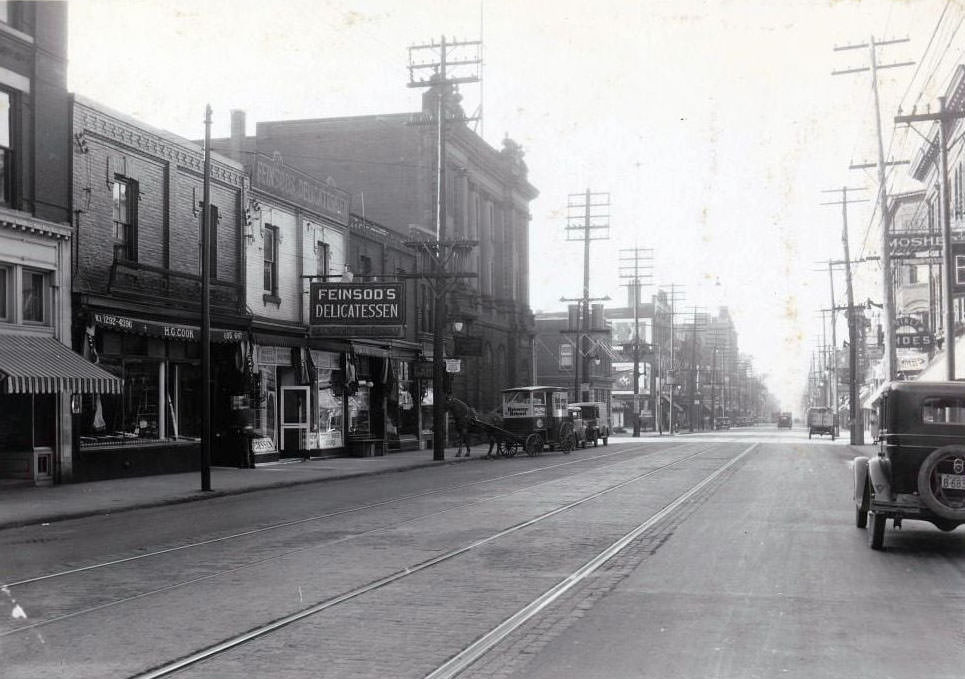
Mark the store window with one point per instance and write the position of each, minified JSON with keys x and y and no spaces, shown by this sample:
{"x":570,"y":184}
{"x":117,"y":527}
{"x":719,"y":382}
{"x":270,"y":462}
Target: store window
{"x":359,"y":413}
{"x":34,"y":293}
{"x":125,"y":192}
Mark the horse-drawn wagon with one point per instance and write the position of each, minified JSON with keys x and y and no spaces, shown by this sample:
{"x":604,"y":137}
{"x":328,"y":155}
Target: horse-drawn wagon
{"x":537,"y":417}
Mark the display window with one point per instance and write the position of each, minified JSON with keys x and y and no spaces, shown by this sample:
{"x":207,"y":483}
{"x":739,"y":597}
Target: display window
{"x":359,"y":413}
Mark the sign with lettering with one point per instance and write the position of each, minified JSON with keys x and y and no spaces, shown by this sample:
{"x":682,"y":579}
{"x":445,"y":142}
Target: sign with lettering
{"x":273,"y":176}
{"x":173,"y":331}
{"x":914,"y":244}
{"x":371,"y":304}
{"x":910,"y":333}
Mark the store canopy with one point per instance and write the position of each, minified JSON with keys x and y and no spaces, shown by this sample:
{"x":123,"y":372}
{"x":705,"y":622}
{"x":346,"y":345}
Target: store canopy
{"x":676,"y":404}
{"x":37,"y":364}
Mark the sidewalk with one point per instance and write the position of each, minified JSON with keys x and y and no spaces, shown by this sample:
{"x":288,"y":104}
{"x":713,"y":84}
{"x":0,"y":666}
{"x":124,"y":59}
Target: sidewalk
{"x":27,"y":505}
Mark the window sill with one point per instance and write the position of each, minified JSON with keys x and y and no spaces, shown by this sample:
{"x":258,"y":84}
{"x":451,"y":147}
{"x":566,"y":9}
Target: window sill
{"x":269,"y":298}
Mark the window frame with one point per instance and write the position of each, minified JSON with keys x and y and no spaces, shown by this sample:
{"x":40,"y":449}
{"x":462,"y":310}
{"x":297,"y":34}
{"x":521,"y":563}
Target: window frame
{"x":6,"y":293}
{"x":126,"y":244}
{"x":270,"y":266}
{"x":321,"y":260}
{"x":46,"y":313}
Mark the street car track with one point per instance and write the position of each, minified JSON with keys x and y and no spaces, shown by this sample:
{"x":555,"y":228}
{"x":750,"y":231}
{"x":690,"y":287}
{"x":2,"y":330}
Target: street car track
{"x":469,"y":655}
{"x":282,"y":554}
{"x":308,"y":519}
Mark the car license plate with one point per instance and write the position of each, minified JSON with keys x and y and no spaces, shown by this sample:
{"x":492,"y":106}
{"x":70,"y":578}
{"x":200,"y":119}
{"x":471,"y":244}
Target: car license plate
{"x":953,"y":481}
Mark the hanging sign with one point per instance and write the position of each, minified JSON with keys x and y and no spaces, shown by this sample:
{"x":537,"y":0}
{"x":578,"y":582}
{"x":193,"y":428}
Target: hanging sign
{"x":910,"y":333}
{"x":357,"y":304}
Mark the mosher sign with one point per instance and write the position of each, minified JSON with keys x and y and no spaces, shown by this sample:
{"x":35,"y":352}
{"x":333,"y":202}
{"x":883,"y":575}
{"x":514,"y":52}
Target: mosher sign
{"x":334,"y":304}
{"x":912,"y":244}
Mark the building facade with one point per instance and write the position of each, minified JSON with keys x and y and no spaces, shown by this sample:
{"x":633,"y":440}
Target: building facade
{"x":137,"y":201}
{"x":387,"y":162}
{"x":41,"y":379}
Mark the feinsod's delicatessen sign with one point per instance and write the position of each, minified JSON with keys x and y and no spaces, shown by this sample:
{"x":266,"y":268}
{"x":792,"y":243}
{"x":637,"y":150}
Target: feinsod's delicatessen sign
{"x":334,"y":304}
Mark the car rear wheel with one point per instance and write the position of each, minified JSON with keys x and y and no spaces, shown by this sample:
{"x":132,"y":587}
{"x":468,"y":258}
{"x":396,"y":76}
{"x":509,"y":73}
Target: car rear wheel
{"x":876,"y":536}
{"x":940,"y":482}
{"x":534,"y":444}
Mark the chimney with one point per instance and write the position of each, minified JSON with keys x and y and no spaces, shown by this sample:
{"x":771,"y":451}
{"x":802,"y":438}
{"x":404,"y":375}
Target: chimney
{"x":237,"y":133}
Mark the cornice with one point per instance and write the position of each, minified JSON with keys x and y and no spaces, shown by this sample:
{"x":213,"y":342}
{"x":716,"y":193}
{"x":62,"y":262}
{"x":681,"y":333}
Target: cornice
{"x":156,"y":144}
{"x":18,"y":221}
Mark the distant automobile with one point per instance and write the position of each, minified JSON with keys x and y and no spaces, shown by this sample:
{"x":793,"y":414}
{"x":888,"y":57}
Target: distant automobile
{"x":723,"y":423}
{"x":784,"y":421}
{"x":821,"y":421}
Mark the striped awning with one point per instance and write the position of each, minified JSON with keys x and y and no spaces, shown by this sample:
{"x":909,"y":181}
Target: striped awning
{"x":38,"y":364}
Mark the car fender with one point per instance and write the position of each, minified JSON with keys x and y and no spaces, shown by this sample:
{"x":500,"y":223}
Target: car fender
{"x":879,"y":469}
{"x":860,"y":478}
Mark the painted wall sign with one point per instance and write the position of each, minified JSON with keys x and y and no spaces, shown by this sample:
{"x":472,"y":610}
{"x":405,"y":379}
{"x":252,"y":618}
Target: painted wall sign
{"x":273,"y":176}
{"x":334,"y":304}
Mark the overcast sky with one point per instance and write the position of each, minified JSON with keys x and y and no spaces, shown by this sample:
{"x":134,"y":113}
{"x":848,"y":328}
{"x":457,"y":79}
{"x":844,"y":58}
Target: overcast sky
{"x":714,"y":126}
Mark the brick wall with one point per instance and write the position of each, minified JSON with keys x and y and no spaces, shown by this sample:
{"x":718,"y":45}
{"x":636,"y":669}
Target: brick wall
{"x":169,"y":176}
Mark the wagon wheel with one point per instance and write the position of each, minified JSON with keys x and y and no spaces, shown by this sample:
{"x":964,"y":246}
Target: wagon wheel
{"x":567,"y":438}
{"x":533,"y":445}
{"x":509,"y":448}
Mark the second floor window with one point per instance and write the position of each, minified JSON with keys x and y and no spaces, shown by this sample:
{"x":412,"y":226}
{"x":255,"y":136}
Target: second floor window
{"x":6,"y":148}
{"x":321,"y":263}
{"x":271,"y":260}
{"x":125,"y":218}
{"x":34,"y":290}
{"x":4,"y":291}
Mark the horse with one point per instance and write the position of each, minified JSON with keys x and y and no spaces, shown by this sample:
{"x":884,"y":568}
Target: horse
{"x":462,"y":415}
{"x":495,"y":419}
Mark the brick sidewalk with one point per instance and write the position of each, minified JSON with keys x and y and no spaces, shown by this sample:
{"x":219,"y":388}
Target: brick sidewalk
{"x":26,"y":505}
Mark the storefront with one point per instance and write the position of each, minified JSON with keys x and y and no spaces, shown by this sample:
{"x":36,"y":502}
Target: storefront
{"x":41,"y":385}
{"x":154,"y":425}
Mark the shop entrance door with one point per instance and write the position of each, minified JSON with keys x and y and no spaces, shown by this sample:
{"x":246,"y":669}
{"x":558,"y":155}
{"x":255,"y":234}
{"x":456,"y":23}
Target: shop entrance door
{"x":295,"y":420}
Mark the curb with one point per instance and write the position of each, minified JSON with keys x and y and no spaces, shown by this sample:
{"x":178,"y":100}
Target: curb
{"x":201,"y":495}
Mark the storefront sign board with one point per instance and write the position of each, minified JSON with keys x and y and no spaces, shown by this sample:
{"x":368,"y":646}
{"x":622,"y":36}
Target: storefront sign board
{"x":273,"y":176}
{"x":172,"y":331}
{"x":357,"y":304}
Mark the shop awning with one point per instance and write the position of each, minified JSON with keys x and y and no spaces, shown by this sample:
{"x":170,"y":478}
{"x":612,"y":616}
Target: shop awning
{"x":37,"y":364}
{"x":676,"y":403}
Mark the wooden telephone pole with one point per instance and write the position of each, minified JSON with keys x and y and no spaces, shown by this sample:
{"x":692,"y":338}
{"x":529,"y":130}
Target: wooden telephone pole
{"x":636,"y":265}
{"x":440,"y":253}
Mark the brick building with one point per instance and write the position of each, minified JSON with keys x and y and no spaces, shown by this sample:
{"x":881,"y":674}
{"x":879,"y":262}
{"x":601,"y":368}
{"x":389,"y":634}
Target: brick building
{"x":388,"y":164}
{"x":137,"y":195}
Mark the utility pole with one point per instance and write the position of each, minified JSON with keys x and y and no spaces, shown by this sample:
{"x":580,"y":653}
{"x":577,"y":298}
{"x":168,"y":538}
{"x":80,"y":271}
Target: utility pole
{"x":693,"y":375}
{"x":206,"y":308}
{"x":585,"y":223}
{"x":439,"y":254}
{"x":944,"y":118}
{"x":888,"y":291}
{"x":632,"y":261}
{"x":673,"y":371}
{"x":857,"y":428}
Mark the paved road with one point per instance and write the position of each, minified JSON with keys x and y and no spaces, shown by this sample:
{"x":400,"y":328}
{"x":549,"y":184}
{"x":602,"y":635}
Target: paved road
{"x":758,"y":572}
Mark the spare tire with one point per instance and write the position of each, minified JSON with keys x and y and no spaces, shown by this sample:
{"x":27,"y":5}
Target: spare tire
{"x":948,"y":503}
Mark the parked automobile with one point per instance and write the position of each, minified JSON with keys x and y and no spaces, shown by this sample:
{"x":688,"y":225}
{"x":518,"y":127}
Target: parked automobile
{"x":723,"y":423}
{"x":580,"y":429}
{"x":919,"y":471}
{"x":596,"y":415}
{"x":784,"y":421}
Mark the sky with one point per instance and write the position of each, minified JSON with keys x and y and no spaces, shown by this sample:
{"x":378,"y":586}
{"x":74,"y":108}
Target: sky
{"x":715,"y":127}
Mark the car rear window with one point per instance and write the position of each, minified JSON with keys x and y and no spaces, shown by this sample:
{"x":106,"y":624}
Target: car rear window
{"x":943,"y":410}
